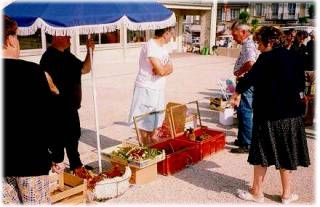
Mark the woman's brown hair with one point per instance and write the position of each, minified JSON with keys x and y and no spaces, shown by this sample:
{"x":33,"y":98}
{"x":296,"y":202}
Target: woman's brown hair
{"x":10,"y":27}
{"x":268,"y":34}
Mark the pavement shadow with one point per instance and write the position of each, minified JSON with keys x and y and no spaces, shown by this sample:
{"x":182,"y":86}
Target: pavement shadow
{"x":121,"y":123}
{"x":311,"y":135}
{"x":310,"y":132}
{"x":276,"y":198}
{"x":204,"y":176}
{"x":95,"y":165}
{"x":89,"y":137}
{"x":211,"y":93}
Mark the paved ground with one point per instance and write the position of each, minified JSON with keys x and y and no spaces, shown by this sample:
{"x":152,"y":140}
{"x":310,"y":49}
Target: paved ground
{"x":212,"y":181}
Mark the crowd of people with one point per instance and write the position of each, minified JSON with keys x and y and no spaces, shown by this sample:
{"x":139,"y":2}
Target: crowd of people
{"x":50,"y":95}
{"x":277,"y":78}
{"x":272,"y":132}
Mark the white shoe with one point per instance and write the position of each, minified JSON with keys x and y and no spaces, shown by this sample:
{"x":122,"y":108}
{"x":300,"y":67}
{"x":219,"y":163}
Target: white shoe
{"x":293,"y":197}
{"x":247,"y":196}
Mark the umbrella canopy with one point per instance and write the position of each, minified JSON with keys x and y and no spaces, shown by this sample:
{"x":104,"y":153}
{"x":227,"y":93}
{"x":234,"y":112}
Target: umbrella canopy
{"x":75,"y":17}
{"x":59,"y":18}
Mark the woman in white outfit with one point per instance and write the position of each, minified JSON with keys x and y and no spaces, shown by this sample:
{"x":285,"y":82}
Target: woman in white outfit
{"x":148,"y":95}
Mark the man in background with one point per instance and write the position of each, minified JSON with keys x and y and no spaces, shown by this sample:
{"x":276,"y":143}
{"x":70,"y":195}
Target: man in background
{"x":248,"y":55}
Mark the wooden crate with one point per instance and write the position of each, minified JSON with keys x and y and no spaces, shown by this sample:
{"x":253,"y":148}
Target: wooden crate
{"x":71,"y":190}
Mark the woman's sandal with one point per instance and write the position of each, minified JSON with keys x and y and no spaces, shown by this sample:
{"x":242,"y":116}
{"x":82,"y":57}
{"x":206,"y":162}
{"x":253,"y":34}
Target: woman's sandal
{"x":293,"y":197}
{"x":247,"y":196}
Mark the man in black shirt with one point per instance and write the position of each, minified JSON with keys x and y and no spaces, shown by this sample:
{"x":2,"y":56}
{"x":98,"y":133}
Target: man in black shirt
{"x":29,"y":151}
{"x":66,"y":70}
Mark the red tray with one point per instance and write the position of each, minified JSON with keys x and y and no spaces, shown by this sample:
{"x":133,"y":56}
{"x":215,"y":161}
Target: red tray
{"x":215,"y":142}
{"x":179,"y":154}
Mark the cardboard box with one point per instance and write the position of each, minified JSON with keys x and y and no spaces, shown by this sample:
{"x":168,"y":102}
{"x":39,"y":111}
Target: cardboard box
{"x":144,"y":171}
{"x":143,"y":175}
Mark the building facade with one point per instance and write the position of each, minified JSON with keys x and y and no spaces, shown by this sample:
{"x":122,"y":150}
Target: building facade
{"x":198,"y":23}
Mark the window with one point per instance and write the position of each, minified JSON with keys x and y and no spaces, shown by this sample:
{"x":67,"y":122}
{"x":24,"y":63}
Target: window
{"x":258,"y":10}
{"x":196,"y":19}
{"x":274,"y":8}
{"x":31,"y":41}
{"x":136,"y":36}
{"x":291,"y":8}
{"x":219,"y":14}
{"x":102,"y":38}
{"x":235,"y":13}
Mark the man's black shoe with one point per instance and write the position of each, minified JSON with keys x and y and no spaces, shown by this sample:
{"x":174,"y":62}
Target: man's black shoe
{"x":236,"y":142}
{"x":240,"y":150}
{"x":88,"y":167}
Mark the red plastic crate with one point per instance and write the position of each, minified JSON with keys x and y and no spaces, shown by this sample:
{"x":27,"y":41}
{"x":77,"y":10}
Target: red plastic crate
{"x":179,"y":154}
{"x":220,"y":143}
{"x":209,"y":145}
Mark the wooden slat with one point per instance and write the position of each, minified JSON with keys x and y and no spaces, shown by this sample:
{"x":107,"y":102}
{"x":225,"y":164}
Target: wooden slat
{"x":75,"y":199}
{"x":61,"y":181}
{"x":72,"y":180}
{"x":67,"y":193}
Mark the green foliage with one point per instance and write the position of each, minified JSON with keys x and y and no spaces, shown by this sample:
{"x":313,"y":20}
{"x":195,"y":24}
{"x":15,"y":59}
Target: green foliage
{"x":303,"y":20}
{"x":254,"y":24}
{"x":244,"y":16}
{"x":311,"y":11}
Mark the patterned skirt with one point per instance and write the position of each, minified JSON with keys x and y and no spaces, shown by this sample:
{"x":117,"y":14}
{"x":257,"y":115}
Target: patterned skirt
{"x":281,"y":143}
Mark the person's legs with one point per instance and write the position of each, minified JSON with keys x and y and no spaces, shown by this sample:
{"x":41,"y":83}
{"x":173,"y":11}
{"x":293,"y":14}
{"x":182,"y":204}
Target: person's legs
{"x":256,"y":192}
{"x":10,"y":191}
{"x":259,"y":173}
{"x":245,"y":109}
{"x":34,"y":190}
{"x":245,"y":123}
{"x":73,"y":154}
{"x":145,"y":137}
{"x":286,"y":182}
{"x":72,"y":136}
{"x":287,"y":196}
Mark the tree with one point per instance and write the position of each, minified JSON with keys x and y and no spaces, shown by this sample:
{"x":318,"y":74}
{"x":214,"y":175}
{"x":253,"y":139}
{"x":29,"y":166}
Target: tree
{"x":244,"y":16}
{"x":254,"y":24}
{"x":311,"y":11}
{"x":303,"y":20}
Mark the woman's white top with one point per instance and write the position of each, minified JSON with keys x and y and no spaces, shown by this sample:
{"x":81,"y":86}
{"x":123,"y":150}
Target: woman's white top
{"x":146,"y":78}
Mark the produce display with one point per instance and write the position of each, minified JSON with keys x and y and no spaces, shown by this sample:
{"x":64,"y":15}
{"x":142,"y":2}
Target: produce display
{"x":136,"y":153}
{"x":190,"y":134}
{"x":92,"y":179}
{"x":164,"y":132}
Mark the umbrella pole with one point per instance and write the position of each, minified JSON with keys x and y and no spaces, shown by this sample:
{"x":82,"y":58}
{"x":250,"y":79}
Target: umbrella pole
{"x":95,"y":108}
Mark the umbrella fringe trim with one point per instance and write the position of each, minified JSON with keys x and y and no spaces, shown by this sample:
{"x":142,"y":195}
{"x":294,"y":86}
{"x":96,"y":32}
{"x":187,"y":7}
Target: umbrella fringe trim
{"x":90,"y":29}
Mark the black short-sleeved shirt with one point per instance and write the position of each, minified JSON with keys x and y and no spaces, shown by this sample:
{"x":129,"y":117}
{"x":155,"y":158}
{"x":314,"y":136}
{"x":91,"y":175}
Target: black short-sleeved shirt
{"x":65,"y":70}
{"x":27,"y":120}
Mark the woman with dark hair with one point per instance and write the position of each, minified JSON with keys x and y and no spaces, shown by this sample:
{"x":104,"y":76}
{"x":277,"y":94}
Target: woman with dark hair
{"x":27,"y":96}
{"x":278,"y":136}
{"x":148,"y":95}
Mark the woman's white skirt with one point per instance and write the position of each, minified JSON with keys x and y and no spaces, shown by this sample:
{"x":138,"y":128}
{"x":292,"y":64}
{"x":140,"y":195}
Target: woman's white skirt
{"x":145,"y":101}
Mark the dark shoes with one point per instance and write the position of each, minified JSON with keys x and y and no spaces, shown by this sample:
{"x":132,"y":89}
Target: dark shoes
{"x":240,"y":150}
{"x":88,"y":167}
{"x":236,"y":142}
